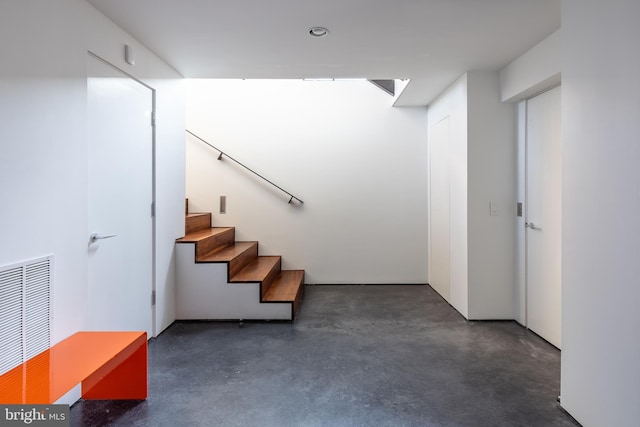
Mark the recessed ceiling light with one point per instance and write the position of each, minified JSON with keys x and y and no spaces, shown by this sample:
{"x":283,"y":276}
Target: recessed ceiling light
{"x":318,"y":32}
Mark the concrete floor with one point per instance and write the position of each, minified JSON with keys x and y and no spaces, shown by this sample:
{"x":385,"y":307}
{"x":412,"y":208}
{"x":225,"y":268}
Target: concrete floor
{"x":356,"y":356}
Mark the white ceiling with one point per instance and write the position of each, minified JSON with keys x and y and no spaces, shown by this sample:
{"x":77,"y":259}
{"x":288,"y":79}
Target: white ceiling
{"x":432,"y":42}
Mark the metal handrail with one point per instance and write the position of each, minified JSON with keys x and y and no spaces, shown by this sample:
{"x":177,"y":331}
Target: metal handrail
{"x":222,"y":153}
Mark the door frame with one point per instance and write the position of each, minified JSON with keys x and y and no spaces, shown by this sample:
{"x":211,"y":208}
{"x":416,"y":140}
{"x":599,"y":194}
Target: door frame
{"x":152,"y":298}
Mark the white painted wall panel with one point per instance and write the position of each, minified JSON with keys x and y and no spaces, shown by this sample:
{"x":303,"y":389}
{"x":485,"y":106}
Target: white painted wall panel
{"x":534,"y":71}
{"x":43,"y":165}
{"x":43,"y":157}
{"x":482,"y":170}
{"x":601,"y":200}
{"x":492,"y":181}
{"x":359,"y":164}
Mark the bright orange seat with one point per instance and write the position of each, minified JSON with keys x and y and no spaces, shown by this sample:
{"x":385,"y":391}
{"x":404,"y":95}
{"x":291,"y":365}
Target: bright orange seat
{"x":110,"y":366}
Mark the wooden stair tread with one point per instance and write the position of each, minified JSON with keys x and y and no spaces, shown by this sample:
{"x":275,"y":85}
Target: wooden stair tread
{"x":227,"y":253}
{"x":286,"y":287}
{"x":258,"y":269}
{"x":196,"y":236}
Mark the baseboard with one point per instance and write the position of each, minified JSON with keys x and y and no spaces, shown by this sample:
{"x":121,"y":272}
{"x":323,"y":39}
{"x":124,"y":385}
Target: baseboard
{"x":366,"y":284}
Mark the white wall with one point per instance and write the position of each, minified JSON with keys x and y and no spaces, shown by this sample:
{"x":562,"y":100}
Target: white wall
{"x":534,"y":71}
{"x":400,"y":86}
{"x":43,"y":152}
{"x":601,"y":201}
{"x":358,"y":163}
{"x":491,"y":180}
{"x":482,"y":171}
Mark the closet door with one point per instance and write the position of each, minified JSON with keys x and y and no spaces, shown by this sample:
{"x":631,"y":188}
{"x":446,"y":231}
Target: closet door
{"x":543,"y":215}
{"x":439,"y":208}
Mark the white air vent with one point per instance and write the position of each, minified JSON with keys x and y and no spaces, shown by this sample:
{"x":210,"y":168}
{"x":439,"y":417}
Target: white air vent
{"x":25,"y":311}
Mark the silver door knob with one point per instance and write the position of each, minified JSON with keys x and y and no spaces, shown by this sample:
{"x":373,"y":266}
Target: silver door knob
{"x":531,"y":226}
{"x":94,"y":237}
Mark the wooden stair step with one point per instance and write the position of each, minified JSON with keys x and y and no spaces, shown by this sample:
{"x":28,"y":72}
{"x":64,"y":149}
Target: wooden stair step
{"x":285,"y":287}
{"x":197,"y":221}
{"x":209,"y":239}
{"x":263,"y":269}
{"x":227,"y":253}
{"x":258,"y":269}
{"x":238,"y":255}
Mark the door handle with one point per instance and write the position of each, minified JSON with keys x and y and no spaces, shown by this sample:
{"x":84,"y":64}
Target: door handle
{"x":531,"y":226}
{"x":94,"y":237}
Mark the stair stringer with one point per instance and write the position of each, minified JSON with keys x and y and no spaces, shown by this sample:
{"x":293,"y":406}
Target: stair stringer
{"x":203,"y":292}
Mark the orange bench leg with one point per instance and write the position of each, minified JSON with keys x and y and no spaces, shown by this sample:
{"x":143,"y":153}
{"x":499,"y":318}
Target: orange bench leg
{"x":125,"y":377}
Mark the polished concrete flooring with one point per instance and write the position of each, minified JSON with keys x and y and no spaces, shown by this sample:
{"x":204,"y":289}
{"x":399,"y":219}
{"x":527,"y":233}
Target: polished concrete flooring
{"x":356,"y":356}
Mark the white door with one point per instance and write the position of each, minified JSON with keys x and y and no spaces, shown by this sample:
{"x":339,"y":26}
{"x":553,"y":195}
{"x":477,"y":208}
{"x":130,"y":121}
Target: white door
{"x":543,"y":215}
{"x":439,"y":173}
{"x":120,"y":151}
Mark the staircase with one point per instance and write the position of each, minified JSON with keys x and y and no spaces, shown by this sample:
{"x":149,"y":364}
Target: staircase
{"x":221,"y":279}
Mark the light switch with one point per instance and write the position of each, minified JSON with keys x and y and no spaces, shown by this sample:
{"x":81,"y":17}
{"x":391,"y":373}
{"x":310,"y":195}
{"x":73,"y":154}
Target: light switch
{"x":493,"y":208}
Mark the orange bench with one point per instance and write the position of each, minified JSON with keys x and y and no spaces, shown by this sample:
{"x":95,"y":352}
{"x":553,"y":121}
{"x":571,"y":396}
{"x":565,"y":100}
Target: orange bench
{"x":110,"y":366}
